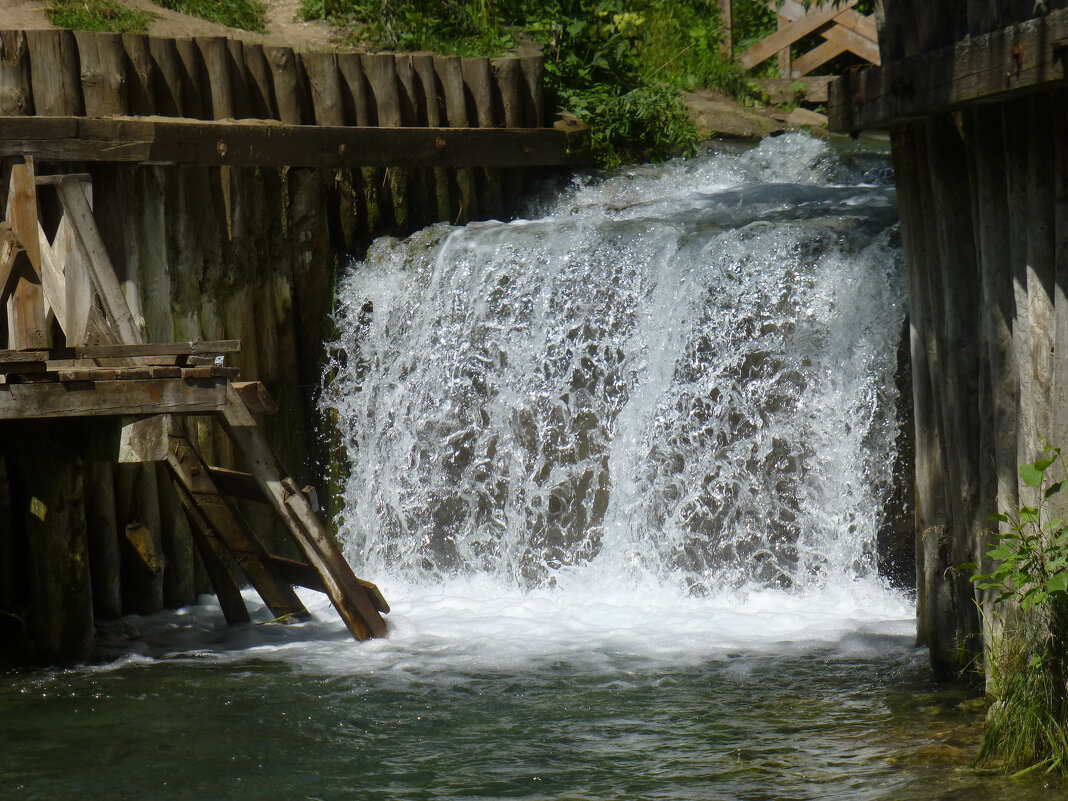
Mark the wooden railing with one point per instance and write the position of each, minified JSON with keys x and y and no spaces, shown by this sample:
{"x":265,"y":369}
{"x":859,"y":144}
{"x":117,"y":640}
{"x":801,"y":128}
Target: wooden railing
{"x":841,"y":28}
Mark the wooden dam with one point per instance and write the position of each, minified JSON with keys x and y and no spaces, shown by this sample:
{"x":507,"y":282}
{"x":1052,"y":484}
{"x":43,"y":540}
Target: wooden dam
{"x":974,"y":95}
{"x":174,"y":213}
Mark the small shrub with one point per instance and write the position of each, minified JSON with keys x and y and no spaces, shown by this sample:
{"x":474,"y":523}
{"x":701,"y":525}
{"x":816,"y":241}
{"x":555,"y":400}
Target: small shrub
{"x":98,"y":15}
{"x":1026,"y":726}
{"x":248,"y":15}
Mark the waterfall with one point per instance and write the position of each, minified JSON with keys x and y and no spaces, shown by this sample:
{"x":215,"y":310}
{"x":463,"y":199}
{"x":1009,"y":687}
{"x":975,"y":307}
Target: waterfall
{"x":680,"y":375}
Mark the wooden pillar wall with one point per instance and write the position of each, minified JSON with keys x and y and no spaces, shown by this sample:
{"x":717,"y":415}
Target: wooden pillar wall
{"x":984,"y":220}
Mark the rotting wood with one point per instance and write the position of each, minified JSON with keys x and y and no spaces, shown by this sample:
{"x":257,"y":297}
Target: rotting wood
{"x":103,"y":73}
{"x":89,"y":399}
{"x":266,"y":144}
{"x":256,"y":397}
{"x":55,"y":81}
{"x":213,"y":554}
{"x":1019,"y":58}
{"x":16,"y":95}
{"x":191,"y":471}
{"x":348,"y":597}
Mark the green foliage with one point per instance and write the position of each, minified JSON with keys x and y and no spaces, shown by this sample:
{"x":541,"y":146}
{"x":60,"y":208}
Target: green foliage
{"x":249,"y":15}
{"x":1028,"y":661}
{"x":616,"y":64}
{"x":98,"y":15}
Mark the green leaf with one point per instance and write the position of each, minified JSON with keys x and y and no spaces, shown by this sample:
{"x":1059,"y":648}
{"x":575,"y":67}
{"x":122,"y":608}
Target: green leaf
{"x":1028,"y":514}
{"x":1000,"y":518}
{"x":1053,"y":489}
{"x":1042,"y":464}
{"x":1059,"y":583}
{"x":1032,"y":474}
{"x":1003,"y":551}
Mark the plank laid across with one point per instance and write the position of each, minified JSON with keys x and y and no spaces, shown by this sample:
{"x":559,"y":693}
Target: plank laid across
{"x":1020,"y":58}
{"x":157,"y":140}
{"x":102,"y":398}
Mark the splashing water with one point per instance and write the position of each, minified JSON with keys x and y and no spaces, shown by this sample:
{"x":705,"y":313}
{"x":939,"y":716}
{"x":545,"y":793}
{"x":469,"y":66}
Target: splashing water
{"x":678,"y":379}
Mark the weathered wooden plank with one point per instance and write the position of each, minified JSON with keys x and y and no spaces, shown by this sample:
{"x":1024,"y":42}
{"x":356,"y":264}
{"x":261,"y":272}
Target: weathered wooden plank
{"x":287,"y":77}
{"x":789,"y":34}
{"x":818,"y":56}
{"x":103,"y":73}
{"x":1019,"y":58}
{"x":256,"y":397}
{"x":213,"y":553}
{"x":218,"y":83}
{"x":265,"y":144}
{"x":237,"y":484}
{"x":55,"y":80}
{"x":80,"y":216}
{"x":140,"y":74}
{"x":89,"y":399}
{"x":325,"y":84}
{"x":349,"y":598}
{"x":208,"y":347}
{"x":357,"y":99}
{"x":304,"y":575}
{"x":26,"y":319}
{"x":16,"y":95}
{"x":167,"y":98}
{"x":189,"y":469}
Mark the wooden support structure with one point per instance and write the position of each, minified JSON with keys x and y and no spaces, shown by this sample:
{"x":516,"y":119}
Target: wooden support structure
{"x":117,"y":373}
{"x":263,"y":144}
{"x":841,"y":27}
{"x":1022,"y":58}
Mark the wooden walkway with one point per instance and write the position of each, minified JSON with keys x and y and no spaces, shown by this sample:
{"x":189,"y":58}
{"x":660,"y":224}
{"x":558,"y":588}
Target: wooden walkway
{"x":105,"y":368}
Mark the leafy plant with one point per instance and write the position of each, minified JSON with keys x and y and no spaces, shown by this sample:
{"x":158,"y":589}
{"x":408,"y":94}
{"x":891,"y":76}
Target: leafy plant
{"x":98,"y":15}
{"x":249,"y":15}
{"x":1028,"y":659}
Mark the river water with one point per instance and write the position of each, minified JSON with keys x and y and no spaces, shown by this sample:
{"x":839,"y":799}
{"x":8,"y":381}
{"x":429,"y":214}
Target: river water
{"x":619,"y":468}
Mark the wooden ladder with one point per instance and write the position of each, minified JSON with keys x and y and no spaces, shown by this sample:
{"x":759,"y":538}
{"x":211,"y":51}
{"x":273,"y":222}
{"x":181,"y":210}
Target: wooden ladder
{"x":70,"y":279}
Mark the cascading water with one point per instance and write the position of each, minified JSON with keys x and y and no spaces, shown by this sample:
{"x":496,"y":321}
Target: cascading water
{"x":680,"y":376}
{"x":618,"y":469}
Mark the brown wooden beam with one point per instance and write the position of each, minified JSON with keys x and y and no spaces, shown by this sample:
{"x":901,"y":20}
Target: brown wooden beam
{"x":1014,"y":60}
{"x":102,"y":398}
{"x":266,"y":144}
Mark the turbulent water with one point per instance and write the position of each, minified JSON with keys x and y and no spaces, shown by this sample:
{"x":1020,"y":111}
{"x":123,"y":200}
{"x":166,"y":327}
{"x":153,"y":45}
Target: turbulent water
{"x":619,"y":468}
{"x":685,"y":377}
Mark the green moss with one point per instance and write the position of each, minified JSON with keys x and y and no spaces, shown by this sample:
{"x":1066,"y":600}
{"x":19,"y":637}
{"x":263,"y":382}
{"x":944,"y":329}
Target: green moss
{"x":98,"y":15}
{"x":249,"y":15}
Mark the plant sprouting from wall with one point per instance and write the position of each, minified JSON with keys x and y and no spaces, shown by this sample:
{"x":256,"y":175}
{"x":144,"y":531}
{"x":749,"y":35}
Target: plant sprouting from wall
{"x":1027,"y":593}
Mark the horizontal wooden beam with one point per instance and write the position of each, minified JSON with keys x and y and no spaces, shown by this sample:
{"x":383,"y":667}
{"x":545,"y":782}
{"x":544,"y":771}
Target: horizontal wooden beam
{"x":266,"y":143}
{"x":104,"y":398}
{"x":787,"y":35}
{"x":1019,"y":58}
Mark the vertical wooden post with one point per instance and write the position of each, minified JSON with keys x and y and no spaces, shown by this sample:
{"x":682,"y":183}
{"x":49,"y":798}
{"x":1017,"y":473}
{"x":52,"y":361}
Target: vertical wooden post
{"x":140,"y":74}
{"x":287,"y":78}
{"x":167,"y":97}
{"x":423,"y":63}
{"x":103,"y":73}
{"x":16,"y":97}
{"x":61,"y":596}
{"x":56,"y":82}
{"x":26,"y":322}
{"x":103,"y":536}
{"x":726,"y":28}
{"x":450,"y":74}
{"x":785,"y":59}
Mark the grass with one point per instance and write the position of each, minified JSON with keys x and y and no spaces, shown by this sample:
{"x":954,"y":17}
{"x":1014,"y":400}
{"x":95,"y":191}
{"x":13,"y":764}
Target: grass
{"x":98,"y":15}
{"x":249,"y":15}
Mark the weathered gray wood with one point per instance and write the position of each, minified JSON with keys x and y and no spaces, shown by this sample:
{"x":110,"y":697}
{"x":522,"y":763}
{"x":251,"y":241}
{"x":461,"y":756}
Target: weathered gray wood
{"x":357,"y":94}
{"x":257,"y":144}
{"x":61,"y":594}
{"x":450,"y":74}
{"x":168,"y":97}
{"x":191,"y":74}
{"x":103,"y":535}
{"x":191,"y":472}
{"x":533,"y":68}
{"x":788,"y":34}
{"x":140,"y":538}
{"x":381,"y":72}
{"x":261,"y":98}
{"x":348,"y":597}
{"x":179,"y":548}
{"x":239,"y":79}
{"x":217,"y":84}
{"x":144,"y":439}
{"x":726,"y":26}
{"x":140,"y":74}
{"x":153,"y":396}
{"x":26,"y":321}
{"x":213,"y":555}
{"x":56,"y":80}
{"x":1018,"y":58}
{"x":324,"y":81}
{"x":16,"y":95}
{"x":103,"y":73}
{"x":289,"y":94}
{"x":76,"y":207}
{"x":1059,"y":432}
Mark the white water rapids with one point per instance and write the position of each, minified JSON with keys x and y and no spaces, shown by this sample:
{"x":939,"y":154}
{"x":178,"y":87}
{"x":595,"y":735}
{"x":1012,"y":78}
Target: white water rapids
{"x":656,"y":417}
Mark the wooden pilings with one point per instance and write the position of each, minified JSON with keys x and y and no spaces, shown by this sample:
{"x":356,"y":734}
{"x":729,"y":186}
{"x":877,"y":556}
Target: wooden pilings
{"x":984,"y":222}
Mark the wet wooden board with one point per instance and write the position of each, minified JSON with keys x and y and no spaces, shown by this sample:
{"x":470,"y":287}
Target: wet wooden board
{"x":102,"y":398}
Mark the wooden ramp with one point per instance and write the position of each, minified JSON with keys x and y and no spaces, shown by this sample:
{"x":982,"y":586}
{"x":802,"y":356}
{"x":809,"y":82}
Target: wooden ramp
{"x":105,"y":368}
